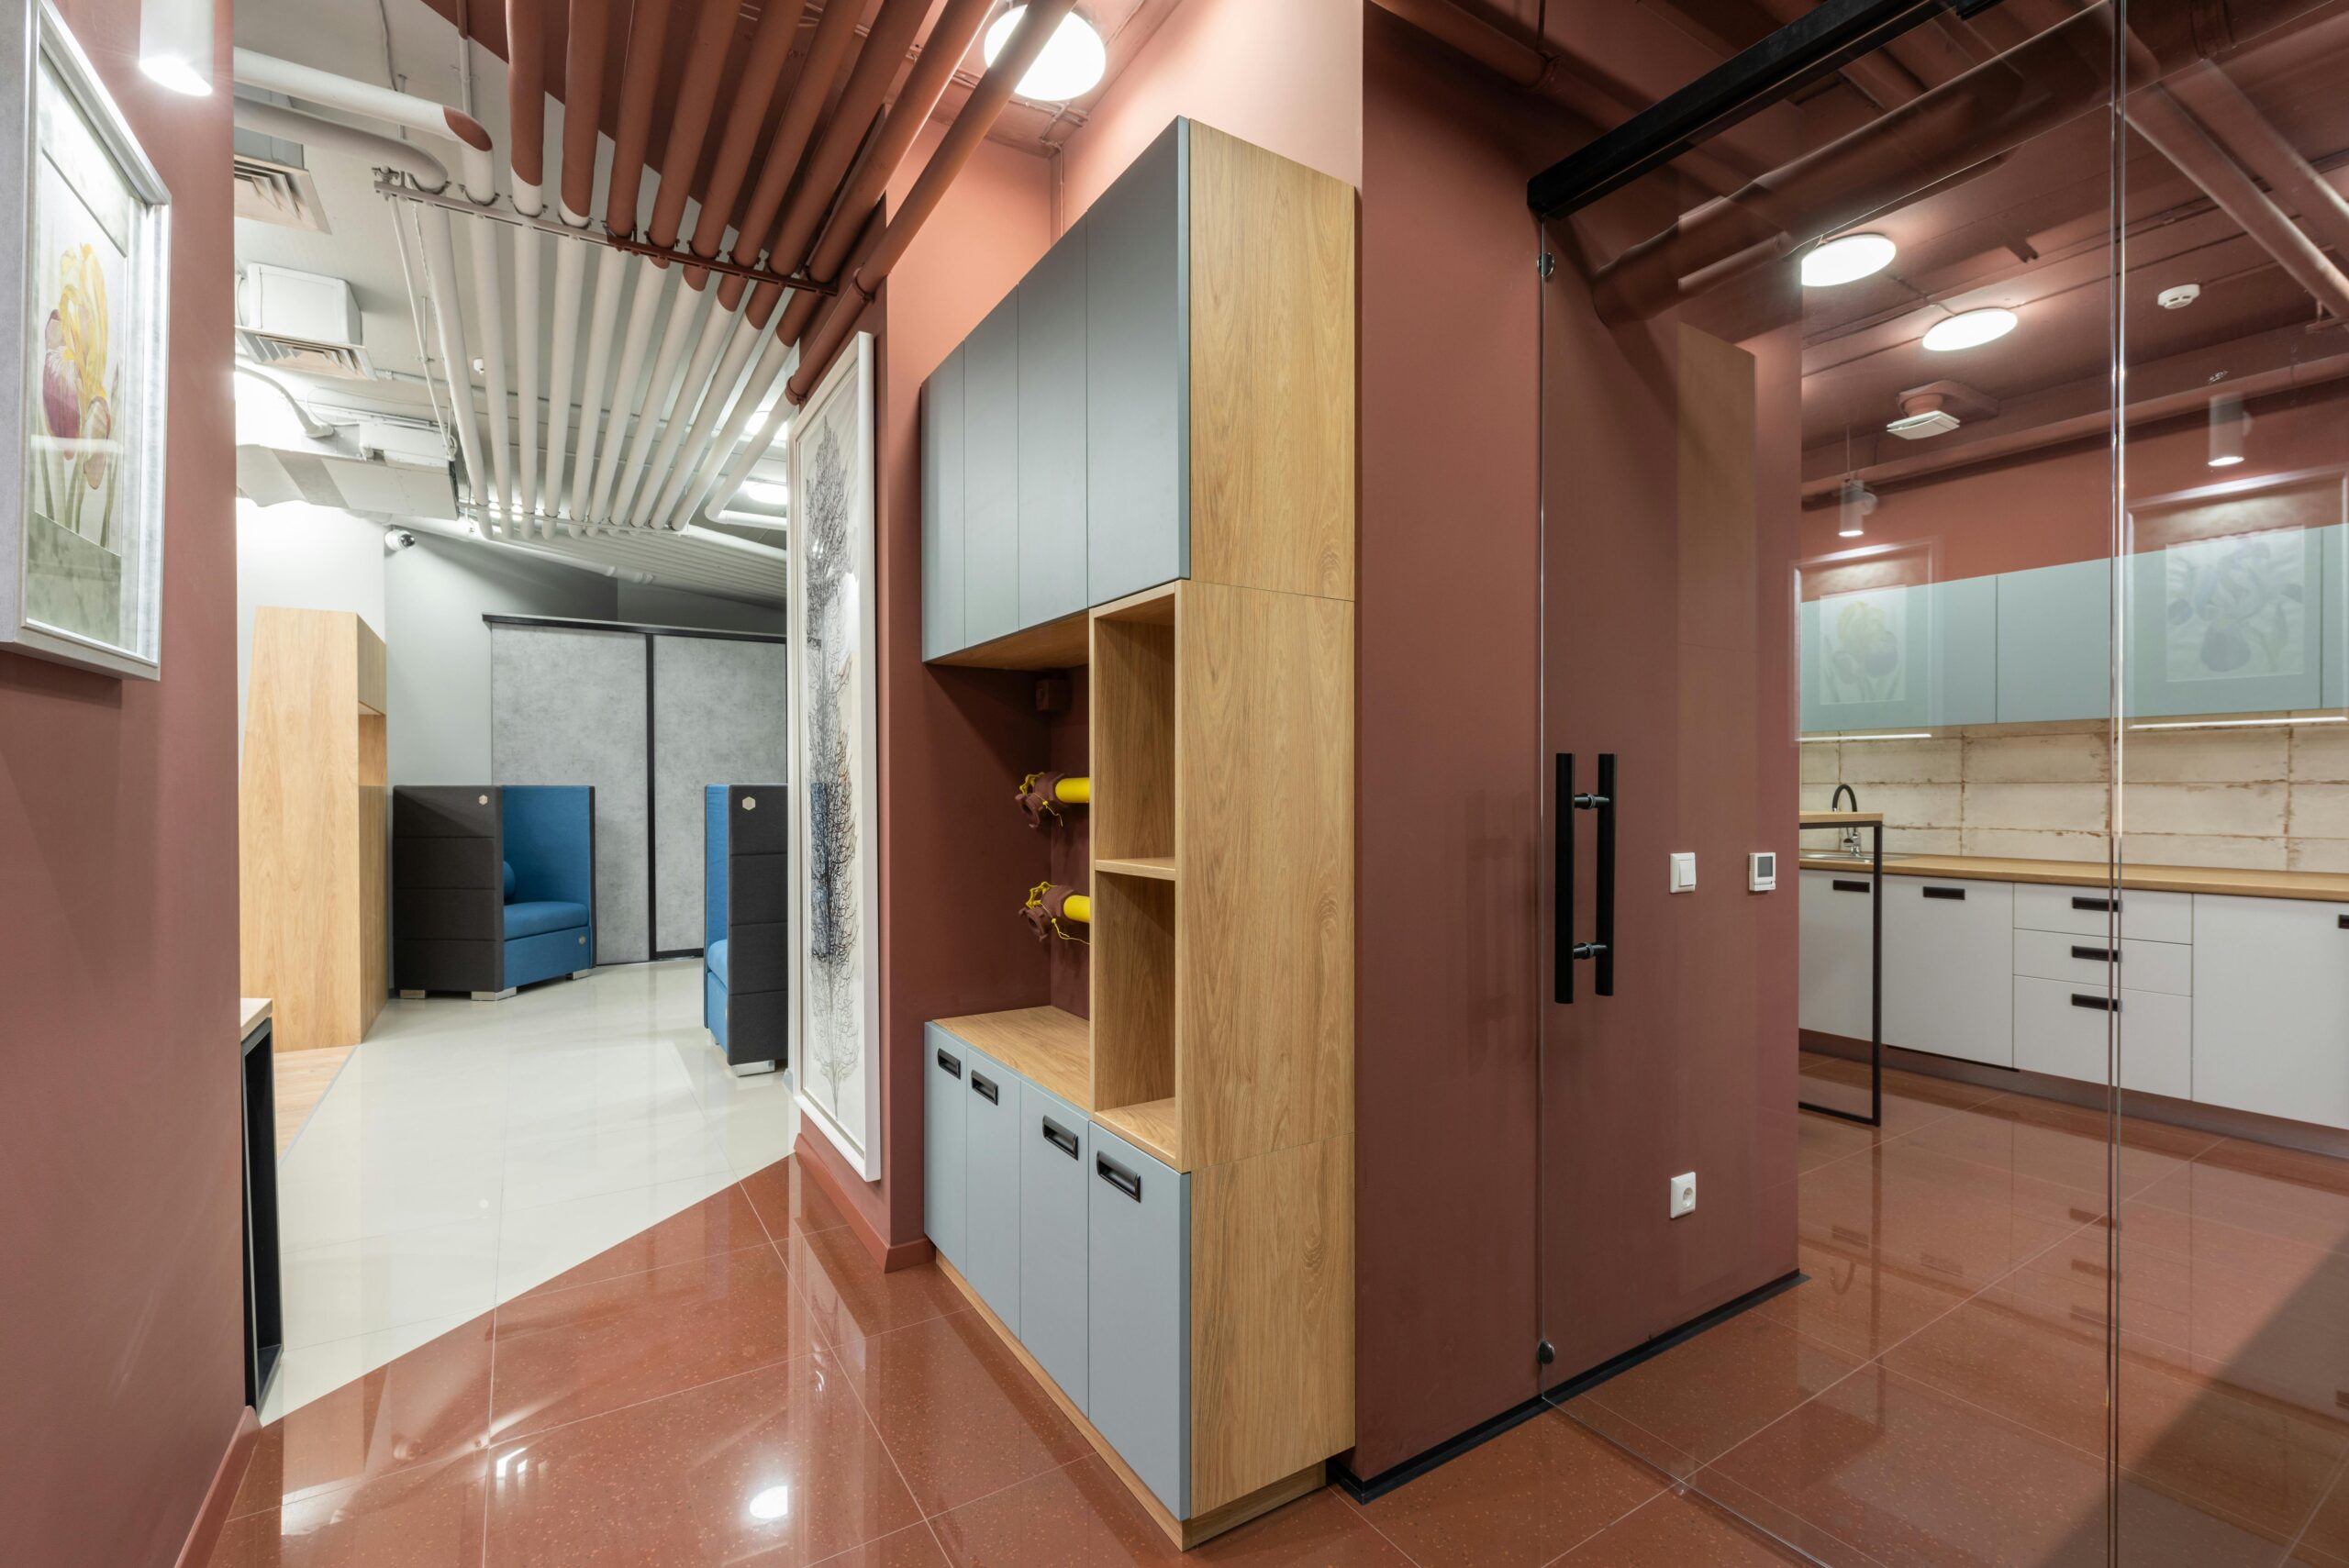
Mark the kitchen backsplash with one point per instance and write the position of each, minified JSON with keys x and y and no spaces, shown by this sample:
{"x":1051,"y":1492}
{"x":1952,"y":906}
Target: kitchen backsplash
{"x":2267,"y":798}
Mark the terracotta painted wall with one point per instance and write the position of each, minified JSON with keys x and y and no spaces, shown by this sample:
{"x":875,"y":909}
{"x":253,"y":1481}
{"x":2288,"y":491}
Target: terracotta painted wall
{"x":121,"y":1382}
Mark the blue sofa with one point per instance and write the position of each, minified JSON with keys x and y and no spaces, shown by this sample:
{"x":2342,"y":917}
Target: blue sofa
{"x":746,"y":923}
{"x":493,"y":886}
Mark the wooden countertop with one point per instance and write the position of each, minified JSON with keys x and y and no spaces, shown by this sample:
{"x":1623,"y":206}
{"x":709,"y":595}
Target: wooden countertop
{"x":1051,"y":1048}
{"x":2329,"y":886}
{"x":1840,"y":819}
{"x":252,"y":1012}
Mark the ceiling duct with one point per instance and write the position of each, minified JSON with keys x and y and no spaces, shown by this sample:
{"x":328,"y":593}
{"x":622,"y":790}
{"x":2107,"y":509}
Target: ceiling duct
{"x":305,"y":322}
{"x":1939,"y":407}
{"x":283,"y":194}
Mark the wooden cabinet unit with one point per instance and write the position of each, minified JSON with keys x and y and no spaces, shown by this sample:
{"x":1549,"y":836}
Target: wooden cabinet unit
{"x":1211,"y":1221}
{"x":310,"y":806}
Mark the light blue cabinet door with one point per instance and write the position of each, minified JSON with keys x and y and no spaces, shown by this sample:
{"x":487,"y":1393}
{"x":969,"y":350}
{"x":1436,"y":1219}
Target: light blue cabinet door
{"x":1138,"y":369}
{"x":2333,"y":551}
{"x":1055,"y":1188}
{"x":991,"y":475}
{"x":1139,"y":1313}
{"x":1965,"y":616}
{"x":1899,"y":657}
{"x":2056,"y":642}
{"x":941,"y":508}
{"x":991,"y":1163}
{"x":2232,"y":625}
{"x":943,"y":1082}
{"x":1053,"y":399}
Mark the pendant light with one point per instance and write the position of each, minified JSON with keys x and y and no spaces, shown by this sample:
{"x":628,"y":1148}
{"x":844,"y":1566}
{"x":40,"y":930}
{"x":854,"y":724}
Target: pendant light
{"x":2230,"y":422}
{"x":175,"y":44}
{"x":1854,"y":500}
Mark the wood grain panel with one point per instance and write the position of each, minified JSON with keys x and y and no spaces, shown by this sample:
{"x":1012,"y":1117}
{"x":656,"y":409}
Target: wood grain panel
{"x":1265,"y":987}
{"x":375,"y":804}
{"x":302,"y":1079}
{"x":1271,"y":1317}
{"x":1272,"y":370}
{"x":1133,"y":737}
{"x":1155,"y":1127}
{"x":1051,"y":1048}
{"x":1134,"y":1006}
{"x":1055,"y":645}
{"x":2325,"y":887}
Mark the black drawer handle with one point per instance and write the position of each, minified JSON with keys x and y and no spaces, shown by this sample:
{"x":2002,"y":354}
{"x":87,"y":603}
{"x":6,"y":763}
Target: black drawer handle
{"x":2101,"y":1003}
{"x":2102,"y":955}
{"x":1957,"y":893}
{"x":1059,"y":1137}
{"x":1842,"y":886}
{"x":1118,"y":1177}
{"x":954,"y":1064}
{"x":2097,"y":905}
{"x":2342,"y":920}
{"x":982,"y":1085}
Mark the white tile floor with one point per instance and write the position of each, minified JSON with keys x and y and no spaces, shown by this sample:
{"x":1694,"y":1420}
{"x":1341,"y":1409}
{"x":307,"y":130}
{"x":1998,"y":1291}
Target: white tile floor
{"x":470,"y":1150}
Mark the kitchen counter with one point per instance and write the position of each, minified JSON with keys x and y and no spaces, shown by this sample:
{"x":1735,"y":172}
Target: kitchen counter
{"x":2330,"y":886}
{"x":252,"y":1012}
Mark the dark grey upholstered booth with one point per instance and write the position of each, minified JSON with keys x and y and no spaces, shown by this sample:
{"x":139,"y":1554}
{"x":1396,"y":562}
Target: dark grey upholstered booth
{"x":746,"y":922}
{"x":493,"y":886}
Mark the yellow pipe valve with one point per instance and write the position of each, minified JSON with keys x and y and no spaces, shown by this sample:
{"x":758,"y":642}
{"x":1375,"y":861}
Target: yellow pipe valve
{"x":1049,"y":904}
{"x":1044,"y":795}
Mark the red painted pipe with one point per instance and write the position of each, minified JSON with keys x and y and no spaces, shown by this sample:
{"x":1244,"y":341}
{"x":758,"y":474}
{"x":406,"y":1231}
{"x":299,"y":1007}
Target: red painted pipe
{"x":697,"y":102}
{"x":583,"y":103}
{"x":745,"y":117}
{"x":825,"y":51}
{"x":876,"y":66}
{"x":2218,"y":103}
{"x":526,"y":91}
{"x":648,"y":30}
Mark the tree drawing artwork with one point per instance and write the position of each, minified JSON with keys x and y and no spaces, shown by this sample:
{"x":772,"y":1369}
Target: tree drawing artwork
{"x":835,"y":1047}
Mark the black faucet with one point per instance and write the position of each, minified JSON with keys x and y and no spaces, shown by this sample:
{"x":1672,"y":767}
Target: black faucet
{"x":1835,"y":803}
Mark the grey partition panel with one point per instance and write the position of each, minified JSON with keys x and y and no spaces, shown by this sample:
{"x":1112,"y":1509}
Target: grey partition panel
{"x":991,"y":475}
{"x":1055,"y":1178}
{"x":717,"y":719}
{"x":1052,"y":433}
{"x":568,"y":706}
{"x":1138,"y":374}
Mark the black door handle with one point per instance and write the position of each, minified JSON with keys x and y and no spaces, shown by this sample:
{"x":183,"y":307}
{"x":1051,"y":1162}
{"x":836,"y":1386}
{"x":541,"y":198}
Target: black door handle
{"x":1957,"y":893}
{"x":2104,"y":955}
{"x":1118,"y":1177}
{"x":1842,"y":886}
{"x":952,"y":1065}
{"x":2102,"y":1004}
{"x":1600,"y":950}
{"x":981,"y":1084}
{"x":2097,"y":906}
{"x":1059,"y":1137}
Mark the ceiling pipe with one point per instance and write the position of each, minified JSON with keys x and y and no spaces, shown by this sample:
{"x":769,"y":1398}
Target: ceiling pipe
{"x":380,"y":152}
{"x":611,"y":272}
{"x":525,"y":97}
{"x":681,"y":443}
{"x":697,"y":100}
{"x":569,"y":268}
{"x":583,"y":109}
{"x":582,"y":106}
{"x":2253,"y":137}
{"x":476,"y":159}
{"x":640,"y":78}
{"x":2178,"y":137}
{"x":745,"y":117}
{"x":717,"y":328}
{"x":456,"y":362}
{"x":876,"y":66}
{"x":1878,"y":79}
{"x":826,"y":51}
{"x":650,"y":401}
{"x":484,"y":245}
{"x":588,"y":505}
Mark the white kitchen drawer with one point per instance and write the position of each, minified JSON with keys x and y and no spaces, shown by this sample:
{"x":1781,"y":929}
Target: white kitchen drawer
{"x":1834,"y":968}
{"x":2271,"y":1006}
{"x":2147,"y":915}
{"x":1949,"y":967}
{"x":2060,"y":1029}
{"x":2165,"y":967}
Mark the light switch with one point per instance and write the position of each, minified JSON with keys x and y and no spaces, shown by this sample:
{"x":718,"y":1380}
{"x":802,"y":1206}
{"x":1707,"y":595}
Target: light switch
{"x":1684,"y":872}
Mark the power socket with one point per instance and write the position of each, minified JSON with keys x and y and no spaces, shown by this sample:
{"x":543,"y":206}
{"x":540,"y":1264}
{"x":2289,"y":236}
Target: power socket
{"x":1684,"y":1195}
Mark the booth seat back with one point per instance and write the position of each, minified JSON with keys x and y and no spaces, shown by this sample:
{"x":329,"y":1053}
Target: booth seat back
{"x":550,"y":915}
{"x":746,"y":927}
{"x":492,"y":886}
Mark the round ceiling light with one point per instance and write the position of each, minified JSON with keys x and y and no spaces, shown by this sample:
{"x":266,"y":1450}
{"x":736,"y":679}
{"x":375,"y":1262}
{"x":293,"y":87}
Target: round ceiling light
{"x":1071,"y":61}
{"x":1846,"y":260}
{"x":1970,"y":329}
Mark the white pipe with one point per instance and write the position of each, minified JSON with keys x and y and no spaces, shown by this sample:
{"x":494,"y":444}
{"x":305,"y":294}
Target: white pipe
{"x":761,"y":439}
{"x":651,"y":282}
{"x":570,"y":267}
{"x":697,"y":388}
{"x":526,"y":362}
{"x":440,"y":284}
{"x":381,"y":151}
{"x":774,"y":362}
{"x":493,"y":360}
{"x":611,"y":271}
{"x":655,"y":399}
{"x":717,"y":413}
{"x":473,"y":153}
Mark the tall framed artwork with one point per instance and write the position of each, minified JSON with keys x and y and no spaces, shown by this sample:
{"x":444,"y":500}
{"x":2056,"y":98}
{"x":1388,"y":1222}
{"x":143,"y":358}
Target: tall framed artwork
{"x":835,"y":720}
{"x":86,"y":344}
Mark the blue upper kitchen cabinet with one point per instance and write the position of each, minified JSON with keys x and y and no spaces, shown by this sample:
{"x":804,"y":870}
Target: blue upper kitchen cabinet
{"x":2229,"y":625}
{"x":941,"y":508}
{"x":1138,"y":367}
{"x":2334,"y":553}
{"x":1900,"y":657}
{"x":991,"y":475}
{"x":2056,"y":642}
{"x":1052,"y":424}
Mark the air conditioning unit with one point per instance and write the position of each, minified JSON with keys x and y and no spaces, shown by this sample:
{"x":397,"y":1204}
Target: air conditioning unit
{"x":1939,"y":407}
{"x":305,"y":322}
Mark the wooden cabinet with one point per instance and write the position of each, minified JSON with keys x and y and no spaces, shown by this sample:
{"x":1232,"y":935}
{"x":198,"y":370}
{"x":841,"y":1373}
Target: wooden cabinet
{"x":1948,"y":967}
{"x":1836,"y":973}
{"x":1053,"y":404}
{"x":1894,"y":658}
{"x":1138,"y":356}
{"x":2271,"y":1006}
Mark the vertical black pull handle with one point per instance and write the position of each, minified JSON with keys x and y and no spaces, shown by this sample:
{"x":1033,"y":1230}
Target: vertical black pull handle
{"x":1562,"y":884}
{"x":1600,"y":949}
{"x":1603,"y":981}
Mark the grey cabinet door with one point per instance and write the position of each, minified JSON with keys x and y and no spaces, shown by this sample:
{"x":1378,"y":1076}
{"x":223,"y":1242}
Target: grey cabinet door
{"x":1055,"y":1179}
{"x":1138,"y":375}
{"x":991,"y":475}
{"x":1052,"y":433}
{"x":941,"y":508}
{"x":944,"y":1086}
{"x":1138,"y":1314}
{"x":991,"y":1170}
{"x":2056,"y":642}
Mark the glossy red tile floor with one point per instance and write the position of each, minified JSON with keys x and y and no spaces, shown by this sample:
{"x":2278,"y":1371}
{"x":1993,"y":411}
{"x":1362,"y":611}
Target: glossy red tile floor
{"x":741,"y":1385}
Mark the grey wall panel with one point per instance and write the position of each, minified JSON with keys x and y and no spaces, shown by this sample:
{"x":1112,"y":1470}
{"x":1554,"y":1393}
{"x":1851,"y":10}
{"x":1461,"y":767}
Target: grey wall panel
{"x":568,"y":708}
{"x":717,"y":719}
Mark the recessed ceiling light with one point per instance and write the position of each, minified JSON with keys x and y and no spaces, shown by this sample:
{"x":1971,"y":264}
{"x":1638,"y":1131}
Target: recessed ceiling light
{"x":1845,"y":259}
{"x":1970,"y":329}
{"x":1072,"y":60}
{"x":764,"y":494}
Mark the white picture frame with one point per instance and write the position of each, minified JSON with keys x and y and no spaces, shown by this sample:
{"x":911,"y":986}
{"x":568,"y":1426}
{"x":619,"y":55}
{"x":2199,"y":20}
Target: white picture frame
{"x":86,"y":348}
{"x":835,"y":732}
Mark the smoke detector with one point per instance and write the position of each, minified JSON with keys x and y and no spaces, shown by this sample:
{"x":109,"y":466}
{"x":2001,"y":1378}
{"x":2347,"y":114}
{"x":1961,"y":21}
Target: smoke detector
{"x":2178,"y":298}
{"x":1939,"y":407}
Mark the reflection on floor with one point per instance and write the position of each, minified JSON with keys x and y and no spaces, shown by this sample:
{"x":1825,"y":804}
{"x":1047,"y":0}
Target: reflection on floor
{"x":470,"y":1150}
{"x":300,"y":1082}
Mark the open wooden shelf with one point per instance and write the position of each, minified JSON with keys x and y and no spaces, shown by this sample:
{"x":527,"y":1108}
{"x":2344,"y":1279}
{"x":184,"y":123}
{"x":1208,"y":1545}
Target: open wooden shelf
{"x":1055,"y":645}
{"x":1051,"y":1048}
{"x":1133,"y":708}
{"x":1155,"y":1127}
{"x":1159,"y":867}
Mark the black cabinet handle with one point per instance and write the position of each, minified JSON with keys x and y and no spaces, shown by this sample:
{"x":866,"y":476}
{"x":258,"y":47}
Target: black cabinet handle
{"x":1059,"y":1137}
{"x":1842,"y":886}
{"x":1957,"y":893}
{"x":1600,"y":950}
{"x":2103,"y":955}
{"x":982,"y":1085}
{"x":1118,"y":1177}
{"x":2101,"y":1003}
{"x":2097,"y":905}
{"x":2342,"y":920}
{"x":953,"y":1065}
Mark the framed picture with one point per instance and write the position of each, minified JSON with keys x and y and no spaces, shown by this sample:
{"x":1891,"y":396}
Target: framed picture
{"x":85,"y":346}
{"x":834,"y":717}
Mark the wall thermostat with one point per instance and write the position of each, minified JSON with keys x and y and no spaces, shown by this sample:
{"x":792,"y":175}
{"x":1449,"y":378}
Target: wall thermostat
{"x":1762,"y":871}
